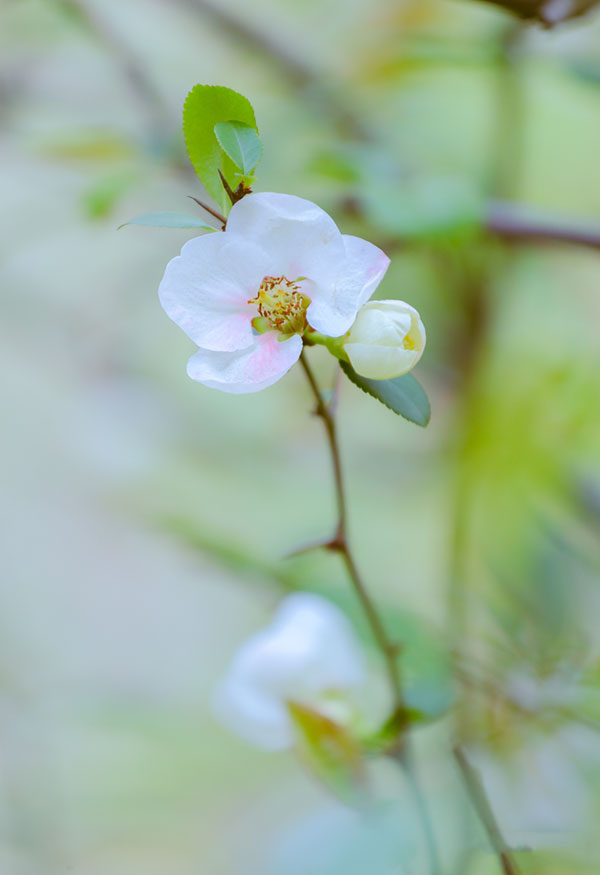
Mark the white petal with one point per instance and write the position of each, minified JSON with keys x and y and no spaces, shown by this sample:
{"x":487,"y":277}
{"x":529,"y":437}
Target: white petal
{"x":206,"y":290}
{"x":359,"y":275}
{"x":262,"y":721}
{"x":381,"y":362}
{"x":307,"y":649}
{"x":247,"y":370}
{"x":318,"y":644}
{"x":297,"y":235}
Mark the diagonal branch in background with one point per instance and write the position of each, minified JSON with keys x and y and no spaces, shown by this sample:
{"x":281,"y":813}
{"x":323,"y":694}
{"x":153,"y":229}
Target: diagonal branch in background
{"x":525,"y":225}
{"x":132,"y":69}
{"x":486,"y":815}
{"x":314,"y":83}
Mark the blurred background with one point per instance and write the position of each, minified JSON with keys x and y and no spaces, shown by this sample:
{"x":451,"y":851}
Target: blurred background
{"x":146,"y":519}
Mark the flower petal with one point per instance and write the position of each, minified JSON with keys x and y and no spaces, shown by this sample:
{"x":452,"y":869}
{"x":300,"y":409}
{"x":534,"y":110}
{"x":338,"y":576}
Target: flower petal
{"x":359,"y":274}
{"x":366,"y":265}
{"x":206,"y":290}
{"x":246,"y":370}
{"x":381,"y":362}
{"x":298,"y":236}
{"x":258,"y":719}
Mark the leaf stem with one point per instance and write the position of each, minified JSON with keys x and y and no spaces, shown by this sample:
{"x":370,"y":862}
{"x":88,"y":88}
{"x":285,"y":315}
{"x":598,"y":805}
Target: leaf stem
{"x":483,"y":808}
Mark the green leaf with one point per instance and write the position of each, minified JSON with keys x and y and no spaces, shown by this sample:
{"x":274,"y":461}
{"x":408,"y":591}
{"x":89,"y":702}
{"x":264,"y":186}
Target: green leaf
{"x":404,"y":395}
{"x":205,"y":107}
{"x":166,"y":219}
{"x":241,"y":142}
{"x":329,"y":750}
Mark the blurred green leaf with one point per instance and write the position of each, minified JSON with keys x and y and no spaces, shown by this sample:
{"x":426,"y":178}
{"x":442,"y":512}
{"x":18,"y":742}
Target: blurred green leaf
{"x":204,"y":108}
{"x":89,"y":146}
{"x":329,"y":750}
{"x":241,"y":143}
{"x":403,"y":395}
{"x":338,"y":165}
{"x":102,"y":197}
{"x":166,"y":219}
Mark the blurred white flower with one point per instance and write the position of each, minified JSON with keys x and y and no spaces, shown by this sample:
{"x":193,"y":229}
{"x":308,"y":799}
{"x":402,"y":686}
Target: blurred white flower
{"x":307,"y":655}
{"x":386,"y":340}
{"x":246,"y":296}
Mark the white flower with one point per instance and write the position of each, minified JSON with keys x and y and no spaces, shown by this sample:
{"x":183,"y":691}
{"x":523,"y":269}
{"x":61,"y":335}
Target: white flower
{"x":245,"y":296}
{"x":307,"y":655}
{"x":386,"y":340}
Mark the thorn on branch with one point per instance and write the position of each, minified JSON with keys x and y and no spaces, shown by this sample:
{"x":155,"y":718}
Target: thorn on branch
{"x":336,"y":544}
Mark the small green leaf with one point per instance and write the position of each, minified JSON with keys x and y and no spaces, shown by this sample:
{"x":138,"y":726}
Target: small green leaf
{"x":241,"y":142}
{"x":166,"y":219}
{"x":205,"y":107}
{"x":329,"y":750}
{"x":404,"y":395}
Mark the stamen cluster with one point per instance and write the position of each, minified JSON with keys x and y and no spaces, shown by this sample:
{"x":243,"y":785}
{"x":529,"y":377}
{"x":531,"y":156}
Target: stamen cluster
{"x":281,"y":302}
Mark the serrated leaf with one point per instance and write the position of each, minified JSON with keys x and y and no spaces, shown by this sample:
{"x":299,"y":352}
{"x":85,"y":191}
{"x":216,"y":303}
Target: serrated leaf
{"x":205,"y":107}
{"x":329,"y":750}
{"x":167,"y":219}
{"x":241,"y":143}
{"x":403,"y":395}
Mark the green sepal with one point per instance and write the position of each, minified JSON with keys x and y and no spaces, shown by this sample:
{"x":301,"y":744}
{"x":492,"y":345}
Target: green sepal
{"x":329,"y":750}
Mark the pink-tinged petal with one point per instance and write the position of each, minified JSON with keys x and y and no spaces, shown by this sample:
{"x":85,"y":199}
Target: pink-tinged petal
{"x":359,"y":274}
{"x":206,"y":290}
{"x":299,"y":237}
{"x":247,"y":370}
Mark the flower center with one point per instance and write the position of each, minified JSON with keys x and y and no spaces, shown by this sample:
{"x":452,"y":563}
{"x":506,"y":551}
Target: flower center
{"x":281,"y":305}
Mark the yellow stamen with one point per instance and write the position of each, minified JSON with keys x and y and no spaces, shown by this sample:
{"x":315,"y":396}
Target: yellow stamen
{"x":282,"y":304}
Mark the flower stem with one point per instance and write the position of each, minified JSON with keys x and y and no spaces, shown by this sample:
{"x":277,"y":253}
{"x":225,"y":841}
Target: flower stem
{"x":340,"y":544}
{"x":389,"y":649}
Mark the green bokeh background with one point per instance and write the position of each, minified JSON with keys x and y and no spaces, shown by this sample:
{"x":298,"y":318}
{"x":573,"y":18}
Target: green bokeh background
{"x":146,"y":518}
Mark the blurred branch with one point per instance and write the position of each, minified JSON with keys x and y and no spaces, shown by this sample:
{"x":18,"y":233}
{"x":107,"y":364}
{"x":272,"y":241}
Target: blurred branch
{"x":546,"y":12}
{"x":132,"y":70}
{"x":523,"y":225}
{"x":312,"y":83}
{"x":476,"y":791}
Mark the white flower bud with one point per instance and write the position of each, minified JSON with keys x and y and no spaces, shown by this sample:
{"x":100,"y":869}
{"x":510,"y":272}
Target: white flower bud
{"x":307,"y":655}
{"x":386,"y":340}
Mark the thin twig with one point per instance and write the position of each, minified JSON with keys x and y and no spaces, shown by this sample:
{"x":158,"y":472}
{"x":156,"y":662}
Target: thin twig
{"x":219,"y":216}
{"x":341,"y":545}
{"x":483,"y":808}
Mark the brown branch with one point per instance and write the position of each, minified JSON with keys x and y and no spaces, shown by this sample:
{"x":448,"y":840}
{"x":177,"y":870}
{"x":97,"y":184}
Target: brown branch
{"x":341,"y":545}
{"x":524,"y":225}
{"x":399,"y":751}
{"x":483,"y":808}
